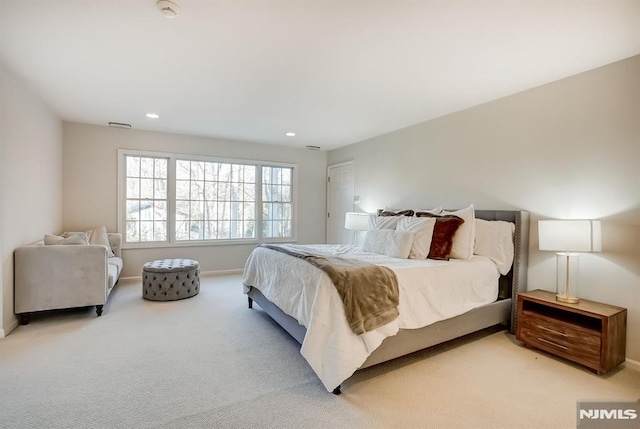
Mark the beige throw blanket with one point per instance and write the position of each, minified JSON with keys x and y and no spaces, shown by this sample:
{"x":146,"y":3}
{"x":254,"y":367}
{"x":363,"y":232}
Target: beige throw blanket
{"x":369,"y":292}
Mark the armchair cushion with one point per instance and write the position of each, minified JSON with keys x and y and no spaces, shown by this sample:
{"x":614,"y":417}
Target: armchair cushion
{"x":114,"y":269}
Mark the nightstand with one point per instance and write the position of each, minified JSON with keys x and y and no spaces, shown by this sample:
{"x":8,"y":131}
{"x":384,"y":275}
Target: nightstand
{"x":589,"y":333}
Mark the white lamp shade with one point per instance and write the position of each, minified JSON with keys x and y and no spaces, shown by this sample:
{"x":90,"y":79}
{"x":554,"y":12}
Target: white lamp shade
{"x":570,"y":235}
{"x":356,"y":221}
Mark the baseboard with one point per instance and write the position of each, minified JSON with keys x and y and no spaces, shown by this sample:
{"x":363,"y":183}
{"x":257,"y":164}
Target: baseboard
{"x":13,"y":325}
{"x":632,"y":364}
{"x":132,"y":278}
{"x":221,"y":272}
{"x":202,"y":274}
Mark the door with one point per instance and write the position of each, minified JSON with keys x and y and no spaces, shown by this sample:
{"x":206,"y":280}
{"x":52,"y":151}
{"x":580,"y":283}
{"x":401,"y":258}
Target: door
{"x":340,"y":190}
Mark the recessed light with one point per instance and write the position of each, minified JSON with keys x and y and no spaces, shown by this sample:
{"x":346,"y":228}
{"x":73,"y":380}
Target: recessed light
{"x":290,"y":134}
{"x":152,"y":115}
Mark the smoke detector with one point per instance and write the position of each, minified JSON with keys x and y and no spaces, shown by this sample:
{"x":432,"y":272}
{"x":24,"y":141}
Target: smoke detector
{"x":167,"y":8}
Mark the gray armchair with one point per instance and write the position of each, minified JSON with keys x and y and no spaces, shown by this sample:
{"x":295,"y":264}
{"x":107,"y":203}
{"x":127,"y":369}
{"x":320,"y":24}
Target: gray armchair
{"x":50,"y":277}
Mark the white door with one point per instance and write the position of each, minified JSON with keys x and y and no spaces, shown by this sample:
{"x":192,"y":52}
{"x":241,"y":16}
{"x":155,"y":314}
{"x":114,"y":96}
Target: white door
{"x":340,"y":190}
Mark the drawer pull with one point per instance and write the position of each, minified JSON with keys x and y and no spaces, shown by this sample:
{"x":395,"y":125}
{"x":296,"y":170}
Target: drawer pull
{"x":552,"y":331}
{"x":552,"y":343}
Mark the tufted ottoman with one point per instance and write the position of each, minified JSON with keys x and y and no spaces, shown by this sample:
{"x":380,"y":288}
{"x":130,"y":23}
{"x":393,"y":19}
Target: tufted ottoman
{"x":170,"y":279}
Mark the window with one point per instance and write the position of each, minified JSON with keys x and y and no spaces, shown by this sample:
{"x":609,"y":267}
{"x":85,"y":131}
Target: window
{"x":169,"y":199}
{"x":215,"y":200}
{"x":146,"y":199}
{"x":276,"y":201}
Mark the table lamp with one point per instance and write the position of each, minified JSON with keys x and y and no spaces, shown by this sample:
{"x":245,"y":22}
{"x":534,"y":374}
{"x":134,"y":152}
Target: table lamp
{"x":568,"y":237}
{"x":356,"y":222}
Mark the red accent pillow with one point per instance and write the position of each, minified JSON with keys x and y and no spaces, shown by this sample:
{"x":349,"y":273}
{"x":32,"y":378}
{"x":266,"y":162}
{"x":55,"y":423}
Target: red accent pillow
{"x":442,"y":241}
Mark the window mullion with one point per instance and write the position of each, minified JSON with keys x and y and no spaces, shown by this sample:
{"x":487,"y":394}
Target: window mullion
{"x":190,"y":202}
{"x":293,"y":194}
{"x":122,"y":193}
{"x":171,"y":197}
{"x":258,"y":207}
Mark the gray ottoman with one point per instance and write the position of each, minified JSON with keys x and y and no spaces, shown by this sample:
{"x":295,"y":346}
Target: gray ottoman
{"x":170,"y":279}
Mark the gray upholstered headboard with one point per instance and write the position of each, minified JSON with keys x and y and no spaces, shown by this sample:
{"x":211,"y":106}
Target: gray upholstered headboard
{"x":514,"y":281}
{"x":517,"y":277}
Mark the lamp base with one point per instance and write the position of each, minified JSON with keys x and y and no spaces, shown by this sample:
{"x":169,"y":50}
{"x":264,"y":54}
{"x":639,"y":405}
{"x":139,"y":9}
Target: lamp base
{"x":567,"y":299}
{"x":567,"y":277}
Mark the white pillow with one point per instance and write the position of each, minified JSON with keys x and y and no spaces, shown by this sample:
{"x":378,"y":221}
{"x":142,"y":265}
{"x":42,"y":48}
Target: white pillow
{"x":388,"y":242}
{"x":494,"y":239}
{"x":435,"y":211}
{"x":76,"y":239}
{"x":465,"y":237}
{"x":99,"y":236}
{"x":384,"y":222}
{"x":422,"y":227}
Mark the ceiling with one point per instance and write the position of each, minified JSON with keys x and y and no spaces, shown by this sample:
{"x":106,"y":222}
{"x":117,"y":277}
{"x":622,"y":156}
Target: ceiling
{"x":335,"y":72}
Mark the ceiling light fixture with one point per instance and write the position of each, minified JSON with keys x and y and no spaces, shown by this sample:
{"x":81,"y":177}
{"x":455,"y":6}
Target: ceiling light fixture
{"x":167,"y":8}
{"x":152,"y":115}
{"x":290,"y":134}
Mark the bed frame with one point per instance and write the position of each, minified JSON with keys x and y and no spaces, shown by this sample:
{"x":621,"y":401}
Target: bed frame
{"x":502,"y":311}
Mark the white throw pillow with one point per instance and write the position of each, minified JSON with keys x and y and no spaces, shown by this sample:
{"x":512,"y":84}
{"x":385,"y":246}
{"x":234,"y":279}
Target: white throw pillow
{"x":465,"y":237}
{"x":78,"y":239}
{"x":422,"y":227}
{"x":99,"y":236}
{"x":494,"y":239}
{"x":384,"y":222}
{"x":435,"y":211}
{"x":388,"y":242}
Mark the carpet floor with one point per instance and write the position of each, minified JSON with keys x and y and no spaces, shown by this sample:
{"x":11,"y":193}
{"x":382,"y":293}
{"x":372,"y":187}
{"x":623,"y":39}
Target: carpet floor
{"x":210,"y":362}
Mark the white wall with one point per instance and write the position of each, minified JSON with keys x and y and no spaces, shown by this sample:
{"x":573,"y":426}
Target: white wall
{"x":569,"y":149}
{"x":30,"y":178}
{"x":90,"y":182}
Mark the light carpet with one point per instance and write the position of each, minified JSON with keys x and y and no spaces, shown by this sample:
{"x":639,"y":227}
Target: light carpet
{"x":210,"y":362}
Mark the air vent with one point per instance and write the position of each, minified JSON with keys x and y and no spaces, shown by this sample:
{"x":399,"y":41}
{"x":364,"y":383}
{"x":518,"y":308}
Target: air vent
{"x":119,"y":125}
{"x":313,"y":147}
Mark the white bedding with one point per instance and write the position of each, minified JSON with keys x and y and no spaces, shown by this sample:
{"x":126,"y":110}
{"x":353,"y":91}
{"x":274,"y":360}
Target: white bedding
{"x":430,"y":291}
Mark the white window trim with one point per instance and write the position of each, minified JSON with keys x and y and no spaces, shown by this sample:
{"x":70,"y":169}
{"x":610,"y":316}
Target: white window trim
{"x":171,"y":200}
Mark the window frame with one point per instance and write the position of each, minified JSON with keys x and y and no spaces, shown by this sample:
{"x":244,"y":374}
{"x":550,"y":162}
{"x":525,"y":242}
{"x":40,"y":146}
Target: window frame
{"x":171,"y":200}
{"x":124,"y":198}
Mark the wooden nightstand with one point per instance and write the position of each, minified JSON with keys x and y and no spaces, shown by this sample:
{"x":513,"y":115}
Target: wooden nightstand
{"x":589,"y":333}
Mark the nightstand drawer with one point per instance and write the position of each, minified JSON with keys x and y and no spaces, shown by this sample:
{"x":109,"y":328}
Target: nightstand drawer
{"x":558,"y":338}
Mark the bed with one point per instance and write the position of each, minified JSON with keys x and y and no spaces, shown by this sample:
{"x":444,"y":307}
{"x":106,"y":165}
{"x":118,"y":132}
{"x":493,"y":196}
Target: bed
{"x":334,"y":352}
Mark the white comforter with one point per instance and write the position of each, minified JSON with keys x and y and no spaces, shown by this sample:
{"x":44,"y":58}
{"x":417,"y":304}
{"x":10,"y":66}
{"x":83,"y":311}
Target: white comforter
{"x":430,"y":291}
